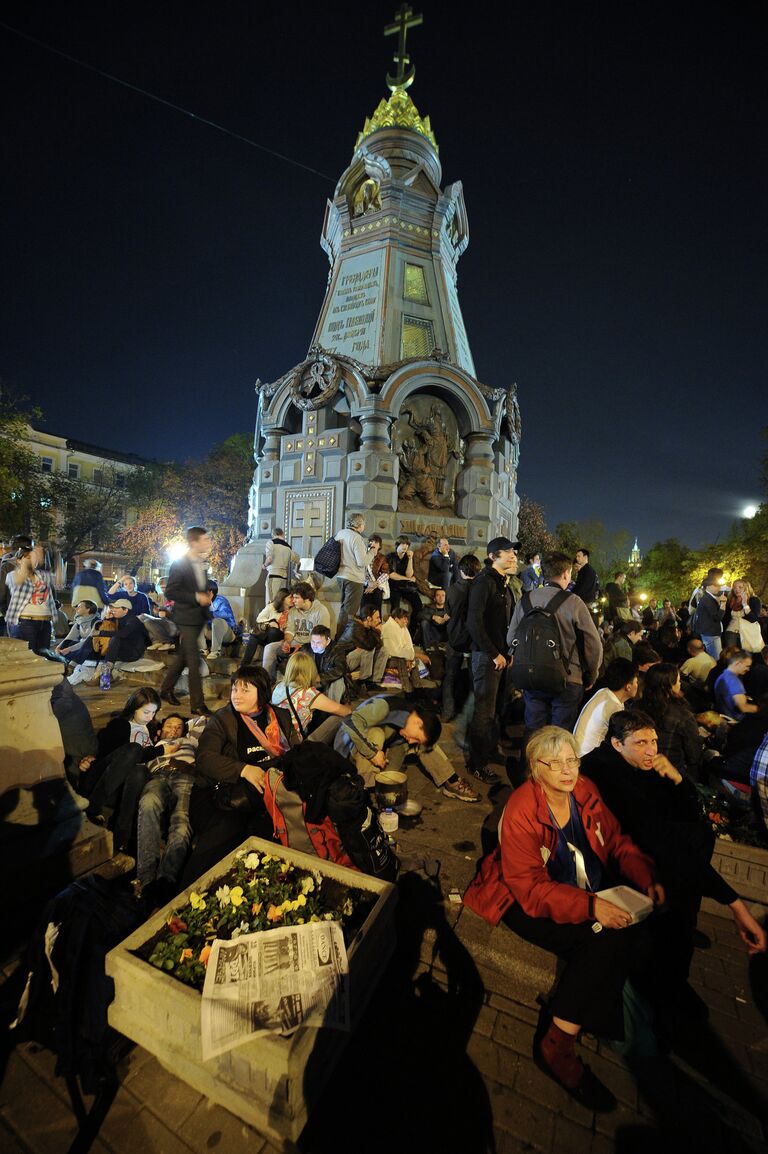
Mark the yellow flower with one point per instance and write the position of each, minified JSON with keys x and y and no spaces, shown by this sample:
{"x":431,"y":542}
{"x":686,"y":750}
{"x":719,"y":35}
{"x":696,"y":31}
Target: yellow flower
{"x":197,"y":901}
{"x":301,"y":901}
{"x":287,"y":904}
{"x":275,"y":914}
{"x":236,"y":895}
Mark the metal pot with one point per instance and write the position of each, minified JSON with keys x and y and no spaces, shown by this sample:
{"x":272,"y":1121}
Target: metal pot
{"x":391,"y":788}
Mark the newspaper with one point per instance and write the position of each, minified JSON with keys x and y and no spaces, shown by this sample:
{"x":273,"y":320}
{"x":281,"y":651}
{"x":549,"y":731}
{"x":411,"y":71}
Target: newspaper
{"x":272,"y":982}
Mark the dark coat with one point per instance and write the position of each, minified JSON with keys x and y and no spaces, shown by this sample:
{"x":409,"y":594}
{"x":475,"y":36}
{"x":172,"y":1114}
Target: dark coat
{"x":490,"y":609}
{"x":708,"y":618}
{"x":182,"y":590}
{"x":586,"y":586}
{"x":442,"y":569}
{"x":217,"y":754}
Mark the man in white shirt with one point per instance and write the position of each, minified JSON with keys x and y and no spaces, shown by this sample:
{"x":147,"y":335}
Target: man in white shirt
{"x":698,"y":665}
{"x":398,"y":645}
{"x":620,"y":686}
{"x":277,"y":562}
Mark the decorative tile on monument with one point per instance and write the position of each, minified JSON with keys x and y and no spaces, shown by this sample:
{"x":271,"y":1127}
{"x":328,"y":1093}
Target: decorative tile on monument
{"x":385,"y":496}
{"x":333,"y":468}
{"x":267,"y":500}
{"x":289,"y":472}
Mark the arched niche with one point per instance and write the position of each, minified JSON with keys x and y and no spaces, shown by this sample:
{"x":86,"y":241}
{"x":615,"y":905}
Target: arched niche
{"x":450,"y":384}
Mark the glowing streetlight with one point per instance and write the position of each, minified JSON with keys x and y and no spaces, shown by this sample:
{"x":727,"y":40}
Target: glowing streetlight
{"x":749,"y":511}
{"x":176,"y":550}
{"x":643,"y":596}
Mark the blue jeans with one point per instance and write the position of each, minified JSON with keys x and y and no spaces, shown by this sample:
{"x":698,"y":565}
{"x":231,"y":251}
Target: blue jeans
{"x":547,"y":709}
{"x":37,"y":634}
{"x":713,"y":645}
{"x":167,"y":793}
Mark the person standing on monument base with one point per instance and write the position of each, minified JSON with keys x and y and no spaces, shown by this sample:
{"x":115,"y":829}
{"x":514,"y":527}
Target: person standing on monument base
{"x":188,"y":589}
{"x":351,"y":571}
{"x":277,"y":561}
{"x":490,"y":606}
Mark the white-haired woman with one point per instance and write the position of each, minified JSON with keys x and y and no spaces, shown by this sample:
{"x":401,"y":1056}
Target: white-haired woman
{"x":558,"y":846}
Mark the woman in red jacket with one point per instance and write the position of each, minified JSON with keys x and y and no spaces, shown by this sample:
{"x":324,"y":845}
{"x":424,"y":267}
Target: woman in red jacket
{"x":559,"y":845}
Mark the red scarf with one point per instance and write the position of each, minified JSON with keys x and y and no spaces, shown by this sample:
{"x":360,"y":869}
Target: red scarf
{"x":273,"y":740}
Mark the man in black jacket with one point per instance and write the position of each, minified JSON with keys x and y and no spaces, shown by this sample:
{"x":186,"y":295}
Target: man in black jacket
{"x":707,"y":621}
{"x":330,"y":658}
{"x":188,"y":589}
{"x":660,"y":810}
{"x":490,"y":608}
{"x":586,"y":586}
{"x":458,"y":645}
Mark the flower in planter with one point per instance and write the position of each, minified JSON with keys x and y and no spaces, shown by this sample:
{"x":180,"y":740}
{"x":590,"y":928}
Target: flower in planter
{"x":197,"y":901}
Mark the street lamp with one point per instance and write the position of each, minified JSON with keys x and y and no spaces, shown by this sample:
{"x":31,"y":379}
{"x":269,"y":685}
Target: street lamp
{"x":749,"y":512}
{"x":175,"y":550}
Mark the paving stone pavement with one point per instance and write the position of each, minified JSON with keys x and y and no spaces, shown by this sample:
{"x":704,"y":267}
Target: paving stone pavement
{"x":442,"y":1060}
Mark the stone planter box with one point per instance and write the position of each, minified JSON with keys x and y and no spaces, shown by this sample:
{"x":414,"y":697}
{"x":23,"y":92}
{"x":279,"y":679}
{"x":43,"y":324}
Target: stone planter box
{"x":745,"y":867}
{"x":271,"y":1082}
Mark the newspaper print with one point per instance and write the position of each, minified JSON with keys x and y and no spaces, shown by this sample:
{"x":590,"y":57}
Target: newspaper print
{"x":273,"y":982}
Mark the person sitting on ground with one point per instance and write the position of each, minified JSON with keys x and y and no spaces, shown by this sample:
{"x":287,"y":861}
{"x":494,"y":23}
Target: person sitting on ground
{"x":161,"y":629}
{"x":332,"y":677}
{"x":120,"y":636}
{"x":314,"y":714}
{"x":659,"y":808}
{"x":221,"y":627}
{"x":758,"y":779}
{"x":377,"y":737}
{"x":125,"y":586}
{"x":89,"y":585}
{"x":730,"y":696}
{"x":362,"y":645}
{"x":623,"y":641}
{"x":668,"y":613}
{"x":644,"y":656}
{"x":402,"y":579}
{"x":618,"y":686}
{"x":434,"y":620}
{"x":559,"y":844}
{"x":237,"y":746}
{"x":742,"y":609}
{"x":398,"y":646}
{"x":114,"y":778}
{"x":696,"y":668}
{"x":269,"y":627}
{"x":307,"y":612}
{"x":164,"y":802}
{"x":443,"y":566}
{"x":85,"y":618}
{"x":667,"y":641}
{"x":31,"y":599}
{"x":756,"y":678}
{"x":376,"y":575}
{"x":676,"y":729}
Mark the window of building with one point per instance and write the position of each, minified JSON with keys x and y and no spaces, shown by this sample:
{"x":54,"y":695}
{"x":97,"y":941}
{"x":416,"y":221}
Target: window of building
{"x":73,"y":471}
{"x":46,"y":464}
{"x":415,"y":287}
{"x":120,"y":480}
{"x":418,"y":338}
{"x":98,"y":476}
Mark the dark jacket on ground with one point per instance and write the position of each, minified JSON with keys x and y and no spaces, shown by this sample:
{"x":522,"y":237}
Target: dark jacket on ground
{"x":664,"y":819}
{"x":490,"y":609}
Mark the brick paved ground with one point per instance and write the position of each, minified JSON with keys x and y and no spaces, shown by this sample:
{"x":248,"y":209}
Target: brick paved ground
{"x":442,"y":1061}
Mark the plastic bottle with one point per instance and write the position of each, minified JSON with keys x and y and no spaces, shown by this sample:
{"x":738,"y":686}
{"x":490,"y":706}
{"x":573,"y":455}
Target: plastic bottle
{"x":105,"y":680}
{"x":389,"y":821}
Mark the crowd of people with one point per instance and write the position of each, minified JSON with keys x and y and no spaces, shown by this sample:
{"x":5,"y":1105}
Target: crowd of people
{"x":624,"y":713}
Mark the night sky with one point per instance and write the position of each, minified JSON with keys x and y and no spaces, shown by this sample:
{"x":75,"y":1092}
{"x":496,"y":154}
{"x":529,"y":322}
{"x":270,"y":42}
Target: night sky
{"x":613,"y":157}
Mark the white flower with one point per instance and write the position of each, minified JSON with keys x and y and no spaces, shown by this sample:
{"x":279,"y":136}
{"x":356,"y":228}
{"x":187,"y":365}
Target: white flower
{"x":307,"y":884}
{"x":252,"y":861}
{"x":222,"y":893}
{"x":348,"y":908}
{"x":243,"y":928}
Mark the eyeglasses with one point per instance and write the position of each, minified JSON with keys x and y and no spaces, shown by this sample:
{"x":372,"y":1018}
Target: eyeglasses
{"x":569,"y":763}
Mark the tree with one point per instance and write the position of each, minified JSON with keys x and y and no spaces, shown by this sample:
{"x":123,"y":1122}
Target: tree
{"x":532,"y":531}
{"x":212,"y":492}
{"x":608,"y":551}
{"x":26,"y":493}
{"x":668,"y":570}
{"x":90,"y":513}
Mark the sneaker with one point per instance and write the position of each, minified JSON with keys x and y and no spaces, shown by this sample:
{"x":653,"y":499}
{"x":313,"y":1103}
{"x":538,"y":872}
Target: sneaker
{"x":460,"y":790}
{"x":213,"y":656}
{"x":487,"y":776}
{"x":154,"y":645}
{"x":165,"y":647}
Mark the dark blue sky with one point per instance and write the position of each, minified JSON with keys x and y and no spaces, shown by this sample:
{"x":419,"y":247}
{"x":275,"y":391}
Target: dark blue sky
{"x":614,"y":165}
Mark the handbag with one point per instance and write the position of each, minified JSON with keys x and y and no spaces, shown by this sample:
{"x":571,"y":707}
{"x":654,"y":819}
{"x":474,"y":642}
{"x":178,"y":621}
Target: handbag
{"x":237,"y":796}
{"x":750,"y":636}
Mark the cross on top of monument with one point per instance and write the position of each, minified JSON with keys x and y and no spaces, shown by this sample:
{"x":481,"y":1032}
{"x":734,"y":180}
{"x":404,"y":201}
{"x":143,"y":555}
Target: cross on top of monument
{"x":404,"y":19}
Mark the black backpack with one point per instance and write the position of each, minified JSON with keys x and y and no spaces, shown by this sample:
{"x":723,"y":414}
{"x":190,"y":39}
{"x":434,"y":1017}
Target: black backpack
{"x":328,"y":558}
{"x":537,"y":647}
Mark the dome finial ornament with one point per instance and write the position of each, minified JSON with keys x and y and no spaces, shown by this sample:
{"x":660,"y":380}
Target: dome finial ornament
{"x":404,"y":19}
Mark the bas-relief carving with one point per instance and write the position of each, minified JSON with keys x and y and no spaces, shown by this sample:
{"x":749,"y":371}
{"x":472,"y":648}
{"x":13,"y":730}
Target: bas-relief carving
{"x":427,"y":442}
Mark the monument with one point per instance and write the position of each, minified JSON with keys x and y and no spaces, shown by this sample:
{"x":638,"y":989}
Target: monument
{"x":385,"y":414}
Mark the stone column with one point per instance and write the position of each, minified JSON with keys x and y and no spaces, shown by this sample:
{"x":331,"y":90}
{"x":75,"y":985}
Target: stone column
{"x":372,"y":473}
{"x":474,"y":489}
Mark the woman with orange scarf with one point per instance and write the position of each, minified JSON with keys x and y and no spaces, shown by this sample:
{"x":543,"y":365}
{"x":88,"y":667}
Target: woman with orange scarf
{"x":239,"y":744}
